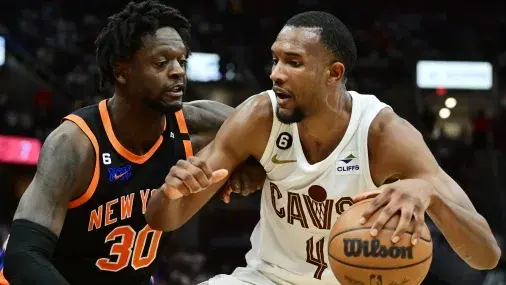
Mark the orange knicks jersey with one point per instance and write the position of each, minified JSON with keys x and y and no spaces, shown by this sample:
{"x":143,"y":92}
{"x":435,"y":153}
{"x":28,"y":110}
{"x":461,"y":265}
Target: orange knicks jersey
{"x":105,"y":238}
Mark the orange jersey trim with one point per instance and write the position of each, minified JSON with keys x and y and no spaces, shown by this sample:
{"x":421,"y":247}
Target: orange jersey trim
{"x":3,"y":281}
{"x":188,"y":148}
{"x":181,"y":122}
{"x":183,"y":129}
{"x":132,"y":157}
{"x":96,"y":174}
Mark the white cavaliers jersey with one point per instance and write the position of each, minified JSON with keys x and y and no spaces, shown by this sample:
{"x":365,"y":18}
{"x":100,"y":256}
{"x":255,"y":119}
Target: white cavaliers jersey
{"x":301,"y":201}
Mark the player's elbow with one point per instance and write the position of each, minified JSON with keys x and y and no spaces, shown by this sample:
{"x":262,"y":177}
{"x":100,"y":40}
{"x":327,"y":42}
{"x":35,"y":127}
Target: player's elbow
{"x":493,"y":260}
{"x":489,"y":258}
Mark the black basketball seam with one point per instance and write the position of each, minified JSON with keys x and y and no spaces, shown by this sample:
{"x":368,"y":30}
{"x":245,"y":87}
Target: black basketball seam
{"x":362,"y":228}
{"x":380,"y":268}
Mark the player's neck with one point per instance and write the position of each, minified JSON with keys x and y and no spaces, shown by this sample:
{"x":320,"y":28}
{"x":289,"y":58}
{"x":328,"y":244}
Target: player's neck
{"x":136,"y":127}
{"x":320,"y":133}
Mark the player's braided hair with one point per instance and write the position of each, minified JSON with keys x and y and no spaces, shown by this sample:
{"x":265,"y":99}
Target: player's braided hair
{"x":122,"y":36}
{"x":333,"y":34}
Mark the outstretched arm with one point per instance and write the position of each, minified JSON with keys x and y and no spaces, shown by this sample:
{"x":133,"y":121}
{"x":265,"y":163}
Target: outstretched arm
{"x":399,"y":151}
{"x":244,"y":134}
{"x":64,"y":169}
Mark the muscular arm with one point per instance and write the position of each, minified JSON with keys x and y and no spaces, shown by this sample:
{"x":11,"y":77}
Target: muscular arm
{"x":399,"y":151}
{"x":64,"y":170}
{"x":245,"y":133}
{"x":204,"y":118}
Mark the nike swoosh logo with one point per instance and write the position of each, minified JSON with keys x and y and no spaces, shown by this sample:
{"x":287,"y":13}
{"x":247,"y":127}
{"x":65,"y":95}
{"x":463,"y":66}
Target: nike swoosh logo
{"x":116,"y":176}
{"x":275,"y":160}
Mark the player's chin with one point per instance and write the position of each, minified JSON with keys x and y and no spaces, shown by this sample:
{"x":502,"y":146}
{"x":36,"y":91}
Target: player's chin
{"x":287,"y":115}
{"x":284,"y":112}
{"x":172,"y":106}
{"x":164,"y":105}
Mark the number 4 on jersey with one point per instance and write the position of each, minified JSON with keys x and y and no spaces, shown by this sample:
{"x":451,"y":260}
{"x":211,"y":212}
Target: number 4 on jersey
{"x":317,"y":259}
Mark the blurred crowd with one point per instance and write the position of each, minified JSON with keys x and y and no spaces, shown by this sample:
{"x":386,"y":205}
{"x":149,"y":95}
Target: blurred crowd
{"x":56,"y":39}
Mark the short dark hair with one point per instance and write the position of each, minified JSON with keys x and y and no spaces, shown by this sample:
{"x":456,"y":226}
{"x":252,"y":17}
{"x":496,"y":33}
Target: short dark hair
{"x":333,"y":34}
{"x":122,"y":36}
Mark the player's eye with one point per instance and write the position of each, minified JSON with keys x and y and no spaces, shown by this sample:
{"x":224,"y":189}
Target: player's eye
{"x":161,"y":63}
{"x":183,"y":63}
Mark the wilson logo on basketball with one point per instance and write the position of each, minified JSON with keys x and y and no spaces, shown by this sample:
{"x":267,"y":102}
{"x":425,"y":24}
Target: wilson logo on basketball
{"x":359,"y":247}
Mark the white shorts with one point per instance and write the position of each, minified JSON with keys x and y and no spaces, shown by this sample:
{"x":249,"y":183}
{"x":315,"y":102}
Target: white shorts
{"x":243,"y":276}
{"x":251,"y":276}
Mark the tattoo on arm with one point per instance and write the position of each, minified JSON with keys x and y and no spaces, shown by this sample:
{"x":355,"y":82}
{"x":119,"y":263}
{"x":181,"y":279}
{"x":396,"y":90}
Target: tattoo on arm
{"x":64,"y":154}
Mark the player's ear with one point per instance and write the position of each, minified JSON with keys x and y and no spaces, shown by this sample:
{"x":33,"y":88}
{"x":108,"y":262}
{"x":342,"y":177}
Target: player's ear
{"x":337,"y":70}
{"x":121,"y":72}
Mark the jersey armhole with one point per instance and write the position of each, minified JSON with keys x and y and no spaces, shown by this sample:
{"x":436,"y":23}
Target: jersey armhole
{"x":364,"y":141}
{"x":96,"y":173}
{"x":264,"y":160}
{"x":183,"y":129}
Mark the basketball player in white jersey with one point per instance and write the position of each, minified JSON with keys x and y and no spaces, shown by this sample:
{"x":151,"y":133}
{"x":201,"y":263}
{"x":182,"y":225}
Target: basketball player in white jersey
{"x":320,"y":145}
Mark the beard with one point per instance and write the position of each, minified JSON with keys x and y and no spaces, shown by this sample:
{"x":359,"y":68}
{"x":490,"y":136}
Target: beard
{"x":163,"y":107}
{"x":295,"y":117}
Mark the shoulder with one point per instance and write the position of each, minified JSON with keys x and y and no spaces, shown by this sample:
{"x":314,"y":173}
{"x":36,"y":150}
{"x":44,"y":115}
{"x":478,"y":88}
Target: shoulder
{"x":388,"y":127}
{"x":70,"y":148}
{"x":396,"y":148}
{"x":205,"y":108}
{"x":205,"y":115}
{"x":76,"y":137}
{"x":258,"y":106}
{"x":247,"y":129}
{"x":255,"y":113}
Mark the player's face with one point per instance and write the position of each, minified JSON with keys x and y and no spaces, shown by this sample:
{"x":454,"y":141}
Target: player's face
{"x":157,"y":73}
{"x":298,"y":72}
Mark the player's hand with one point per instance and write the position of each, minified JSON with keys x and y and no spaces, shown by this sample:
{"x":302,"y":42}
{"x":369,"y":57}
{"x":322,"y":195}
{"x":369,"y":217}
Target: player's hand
{"x":410,"y":196}
{"x":246,"y":179}
{"x":190,"y":176}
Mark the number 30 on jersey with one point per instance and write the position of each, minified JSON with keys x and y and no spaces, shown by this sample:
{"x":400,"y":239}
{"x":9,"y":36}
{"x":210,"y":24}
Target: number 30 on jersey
{"x":129,"y":248}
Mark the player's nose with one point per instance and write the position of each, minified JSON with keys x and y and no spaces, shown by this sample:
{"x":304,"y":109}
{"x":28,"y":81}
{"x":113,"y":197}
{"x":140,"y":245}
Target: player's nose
{"x":176,"y":71}
{"x":277,"y":75}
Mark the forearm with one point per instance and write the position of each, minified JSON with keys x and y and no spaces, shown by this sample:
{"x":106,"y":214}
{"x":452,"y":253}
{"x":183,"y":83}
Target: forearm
{"x":467,"y":232}
{"x":27,"y":259}
{"x":168,"y":215}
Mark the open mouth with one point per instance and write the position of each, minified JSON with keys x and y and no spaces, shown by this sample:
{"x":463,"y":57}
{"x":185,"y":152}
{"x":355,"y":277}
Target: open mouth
{"x":281,"y":93}
{"x":283,"y":96}
{"x":176,"y":90}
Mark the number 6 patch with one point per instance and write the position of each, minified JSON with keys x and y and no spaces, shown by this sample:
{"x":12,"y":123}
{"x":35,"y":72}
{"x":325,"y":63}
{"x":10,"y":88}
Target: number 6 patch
{"x":284,"y":141}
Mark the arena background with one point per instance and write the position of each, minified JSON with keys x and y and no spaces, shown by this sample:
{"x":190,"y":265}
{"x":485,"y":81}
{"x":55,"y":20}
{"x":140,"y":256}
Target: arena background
{"x":441,"y":65}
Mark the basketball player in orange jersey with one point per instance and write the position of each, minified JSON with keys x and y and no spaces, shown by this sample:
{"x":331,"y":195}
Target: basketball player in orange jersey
{"x":320,"y":145}
{"x":81,"y":220}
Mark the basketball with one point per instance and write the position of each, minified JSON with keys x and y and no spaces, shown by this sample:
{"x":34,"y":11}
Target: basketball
{"x":356,"y":257}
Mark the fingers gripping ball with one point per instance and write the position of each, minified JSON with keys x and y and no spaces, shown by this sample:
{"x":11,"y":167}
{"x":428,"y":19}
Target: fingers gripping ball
{"x":356,"y":257}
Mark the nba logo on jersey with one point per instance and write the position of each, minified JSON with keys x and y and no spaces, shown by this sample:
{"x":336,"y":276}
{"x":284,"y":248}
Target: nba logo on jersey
{"x":120,"y":173}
